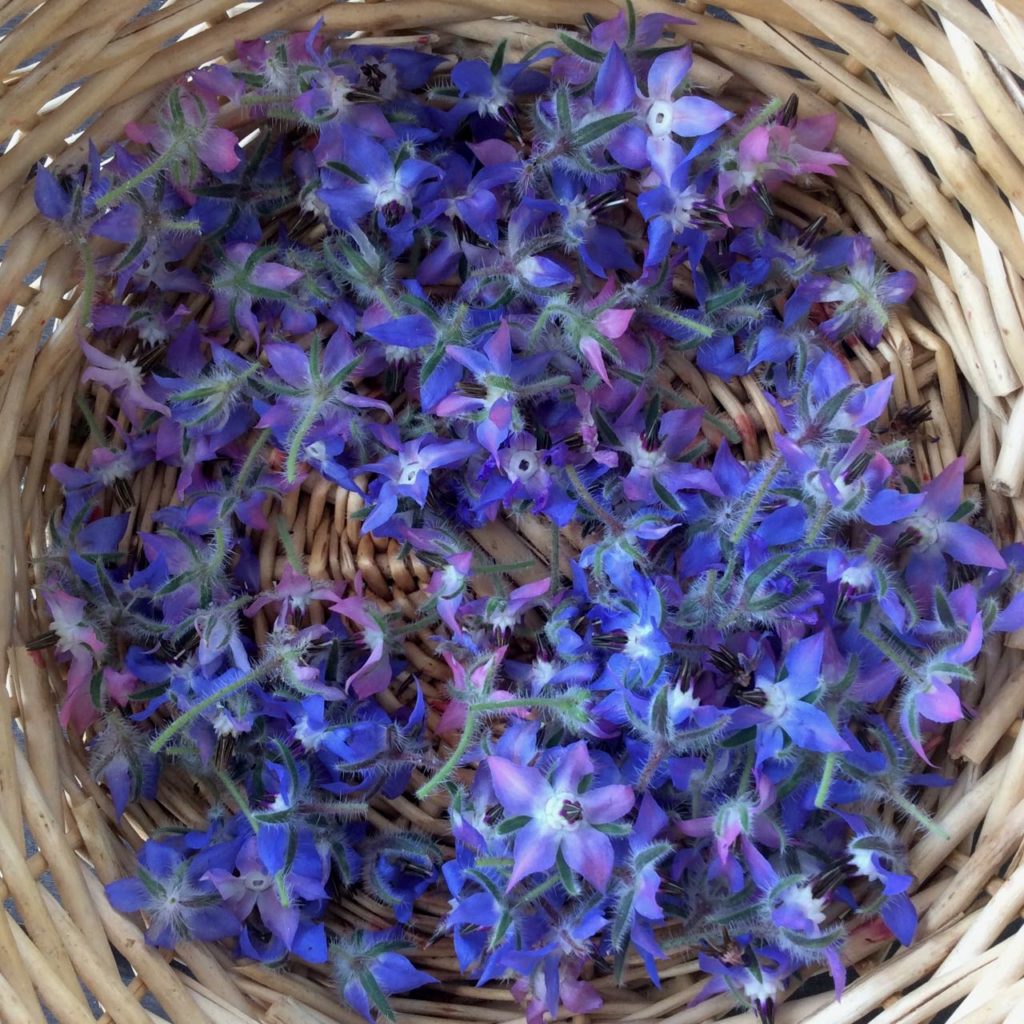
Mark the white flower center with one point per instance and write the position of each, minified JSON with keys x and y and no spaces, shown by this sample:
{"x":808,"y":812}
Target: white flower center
{"x":410,"y":471}
{"x":578,"y":218}
{"x":681,"y":216}
{"x":491,"y":105}
{"x":563,"y":812}
{"x":681,"y":701}
{"x":810,"y":907}
{"x":452,"y":581}
{"x":863,"y":860}
{"x":151,"y":331}
{"x":777,"y":702}
{"x":392,"y":192}
{"x":645,"y":459}
{"x":638,"y":645}
{"x":858,"y":577}
{"x":927,"y":527}
{"x":338,"y":90}
{"x":310,"y":738}
{"x":256,"y":881}
{"x":659,"y":118}
{"x":224,"y":725}
{"x":523,"y":466}
{"x":760,"y":990}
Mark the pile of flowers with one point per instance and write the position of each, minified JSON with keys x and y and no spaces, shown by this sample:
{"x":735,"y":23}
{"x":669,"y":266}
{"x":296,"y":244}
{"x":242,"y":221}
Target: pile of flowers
{"x":452,"y":288}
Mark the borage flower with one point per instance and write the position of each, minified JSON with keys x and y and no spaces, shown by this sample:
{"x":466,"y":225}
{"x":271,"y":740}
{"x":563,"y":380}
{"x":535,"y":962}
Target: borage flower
{"x":558,"y":816}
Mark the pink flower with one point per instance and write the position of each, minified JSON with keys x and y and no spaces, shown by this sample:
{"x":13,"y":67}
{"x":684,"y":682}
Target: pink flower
{"x":79,"y":640}
{"x":124,"y":378}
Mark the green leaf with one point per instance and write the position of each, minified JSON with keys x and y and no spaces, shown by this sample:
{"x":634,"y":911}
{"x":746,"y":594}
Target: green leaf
{"x":723,"y":299}
{"x":500,"y":930}
{"x":513,"y":824}
{"x":498,"y":60}
{"x":596,"y":130}
{"x":666,"y":496}
{"x":741,"y":738}
{"x":567,"y":878}
{"x":376,"y":995}
{"x":489,"y":884}
{"x":653,"y":854}
{"x":337,"y":165}
{"x":580,"y":48}
{"x":827,"y":412}
{"x":562,"y":110}
{"x":96,"y":690}
{"x":623,"y":921}
{"x":764,"y":572}
{"x":944,"y":610}
{"x":615,"y":829}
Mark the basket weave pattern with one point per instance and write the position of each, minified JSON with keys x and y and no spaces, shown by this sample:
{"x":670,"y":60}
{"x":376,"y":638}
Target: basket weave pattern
{"x":931,"y":116}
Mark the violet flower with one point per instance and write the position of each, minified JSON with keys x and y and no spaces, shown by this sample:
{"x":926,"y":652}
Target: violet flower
{"x":171,"y":893}
{"x":560,"y":816}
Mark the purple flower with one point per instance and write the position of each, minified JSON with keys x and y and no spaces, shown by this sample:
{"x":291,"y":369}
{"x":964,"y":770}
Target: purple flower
{"x":120,"y":757}
{"x":495,"y":412}
{"x":375,"y":180}
{"x":293,"y":595}
{"x":77,"y":638}
{"x":489,"y":89}
{"x":934,"y":530}
{"x":862,"y":294}
{"x":247,"y":277}
{"x":171,"y":893}
{"x":667,"y":114}
{"x":185,"y":127}
{"x":252,"y":886}
{"x":368,"y":967}
{"x":406,"y":474}
{"x":124,"y":378}
{"x":785,"y":712}
{"x":562,"y":816}
{"x":757,"y":978}
{"x":374,"y":674}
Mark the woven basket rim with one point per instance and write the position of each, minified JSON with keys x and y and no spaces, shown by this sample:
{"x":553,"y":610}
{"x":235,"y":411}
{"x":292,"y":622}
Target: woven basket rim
{"x":953,"y":218}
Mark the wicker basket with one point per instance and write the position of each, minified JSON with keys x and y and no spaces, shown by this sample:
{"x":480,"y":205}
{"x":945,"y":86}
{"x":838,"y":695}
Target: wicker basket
{"x":931,"y":115}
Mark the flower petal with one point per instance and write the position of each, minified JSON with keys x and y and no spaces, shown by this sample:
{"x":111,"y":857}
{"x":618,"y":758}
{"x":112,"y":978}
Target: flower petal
{"x":519,"y":789}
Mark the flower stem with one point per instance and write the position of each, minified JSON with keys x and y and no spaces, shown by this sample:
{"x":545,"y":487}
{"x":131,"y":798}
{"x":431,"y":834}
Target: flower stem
{"x":120,"y":191}
{"x":826,"y":781}
{"x":441,"y":775}
{"x":301,"y":431}
{"x":187,"y":717}
{"x":754,"y":504}
{"x":588,"y":499}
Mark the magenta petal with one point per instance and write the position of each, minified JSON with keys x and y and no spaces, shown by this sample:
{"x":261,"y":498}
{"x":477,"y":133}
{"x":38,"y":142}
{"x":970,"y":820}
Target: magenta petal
{"x":940,"y":703}
{"x":614,"y":322}
{"x":589,"y":853}
{"x":519,"y":789}
{"x":275,"y":275}
{"x":219,"y":150}
{"x":535,"y":850}
{"x":591,"y":351}
{"x":609,"y":803}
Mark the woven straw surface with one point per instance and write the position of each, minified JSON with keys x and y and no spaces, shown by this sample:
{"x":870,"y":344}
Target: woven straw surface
{"x":931,"y":115}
